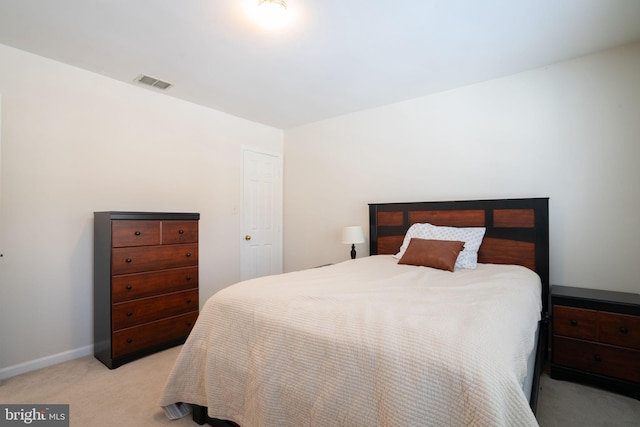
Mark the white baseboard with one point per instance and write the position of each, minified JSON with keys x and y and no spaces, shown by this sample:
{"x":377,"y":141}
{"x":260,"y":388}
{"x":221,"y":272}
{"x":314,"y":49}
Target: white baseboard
{"x":43,"y":362}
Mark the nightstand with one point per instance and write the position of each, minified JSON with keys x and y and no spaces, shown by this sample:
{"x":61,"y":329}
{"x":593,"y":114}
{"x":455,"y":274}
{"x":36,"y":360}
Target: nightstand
{"x":596,"y":338}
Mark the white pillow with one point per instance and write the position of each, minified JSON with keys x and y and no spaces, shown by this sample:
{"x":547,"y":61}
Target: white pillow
{"x":471,"y":236}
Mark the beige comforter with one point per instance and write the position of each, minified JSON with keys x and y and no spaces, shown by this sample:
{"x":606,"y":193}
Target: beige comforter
{"x":366,"y":343}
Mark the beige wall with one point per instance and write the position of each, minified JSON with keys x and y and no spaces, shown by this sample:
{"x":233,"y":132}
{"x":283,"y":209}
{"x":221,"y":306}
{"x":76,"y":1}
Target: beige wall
{"x":570,"y":131}
{"x":73,"y":143}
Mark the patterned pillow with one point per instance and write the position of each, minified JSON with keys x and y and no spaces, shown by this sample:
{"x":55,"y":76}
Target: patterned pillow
{"x":471,"y":236}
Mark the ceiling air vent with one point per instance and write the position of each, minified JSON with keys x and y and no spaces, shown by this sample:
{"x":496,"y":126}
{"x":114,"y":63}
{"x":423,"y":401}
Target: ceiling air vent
{"x":153,"y":82}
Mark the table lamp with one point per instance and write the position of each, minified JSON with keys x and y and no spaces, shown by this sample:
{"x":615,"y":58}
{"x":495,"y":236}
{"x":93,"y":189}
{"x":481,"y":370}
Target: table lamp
{"x":352,"y":235}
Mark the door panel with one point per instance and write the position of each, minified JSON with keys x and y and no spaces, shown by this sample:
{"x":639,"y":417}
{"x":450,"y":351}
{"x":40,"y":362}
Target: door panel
{"x":261,"y":252}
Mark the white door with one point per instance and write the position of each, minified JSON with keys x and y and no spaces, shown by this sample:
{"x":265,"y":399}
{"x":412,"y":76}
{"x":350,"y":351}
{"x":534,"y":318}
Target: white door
{"x":261,"y":245}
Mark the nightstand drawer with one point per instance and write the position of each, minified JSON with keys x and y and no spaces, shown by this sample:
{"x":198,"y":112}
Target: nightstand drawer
{"x":575,"y":322}
{"x":619,"y":329}
{"x":597,"y":358}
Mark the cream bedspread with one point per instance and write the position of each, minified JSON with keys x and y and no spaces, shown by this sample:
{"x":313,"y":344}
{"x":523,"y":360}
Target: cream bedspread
{"x":366,"y":342}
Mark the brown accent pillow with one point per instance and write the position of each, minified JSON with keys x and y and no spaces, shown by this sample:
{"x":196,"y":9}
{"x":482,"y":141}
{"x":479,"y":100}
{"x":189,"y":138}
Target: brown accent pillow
{"x":440,"y":254}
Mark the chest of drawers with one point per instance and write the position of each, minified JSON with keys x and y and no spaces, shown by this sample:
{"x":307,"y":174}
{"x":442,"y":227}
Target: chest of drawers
{"x":145,"y":283}
{"x":596,"y":338}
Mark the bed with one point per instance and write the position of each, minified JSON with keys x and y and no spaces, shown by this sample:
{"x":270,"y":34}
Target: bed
{"x":375,"y":341}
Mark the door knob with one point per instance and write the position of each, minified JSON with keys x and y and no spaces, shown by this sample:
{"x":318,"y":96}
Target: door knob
{"x":247,"y":237}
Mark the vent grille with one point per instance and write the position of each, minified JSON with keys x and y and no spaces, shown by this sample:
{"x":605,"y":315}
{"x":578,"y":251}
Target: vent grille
{"x":153,"y":82}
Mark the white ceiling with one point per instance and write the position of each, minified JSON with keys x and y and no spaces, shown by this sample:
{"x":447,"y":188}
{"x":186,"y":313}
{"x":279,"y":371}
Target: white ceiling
{"x":335,"y":57}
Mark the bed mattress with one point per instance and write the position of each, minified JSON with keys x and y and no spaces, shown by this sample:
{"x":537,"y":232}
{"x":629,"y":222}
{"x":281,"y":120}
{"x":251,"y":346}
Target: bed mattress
{"x":365,"y":342}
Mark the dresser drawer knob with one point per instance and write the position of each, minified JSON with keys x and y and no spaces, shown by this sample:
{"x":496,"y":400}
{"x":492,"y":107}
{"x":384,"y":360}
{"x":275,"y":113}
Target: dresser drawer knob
{"x":189,"y":301}
{"x":129,"y":340}
{"x":188,"y":277}
{"x":137,"y":233}
{"x":624,"y":330}
{"x":129,"y":260}
{"x":129,"y":287}
{"x":180,"y":231}
{"x":188,"y":323}
{"x":188,"y":254}
{"x":597,"y":358}
{"x":129,"y":314}
{"x":574,"y":323}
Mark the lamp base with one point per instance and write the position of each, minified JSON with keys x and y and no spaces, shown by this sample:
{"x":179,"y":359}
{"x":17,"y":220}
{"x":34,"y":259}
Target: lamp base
{"x":353,"y":251}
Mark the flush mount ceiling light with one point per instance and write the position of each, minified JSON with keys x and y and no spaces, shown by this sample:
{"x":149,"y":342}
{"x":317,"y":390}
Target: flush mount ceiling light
{"x":272,"y":14}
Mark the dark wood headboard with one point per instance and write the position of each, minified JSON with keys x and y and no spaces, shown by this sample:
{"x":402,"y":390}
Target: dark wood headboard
{"x":517,"y":230}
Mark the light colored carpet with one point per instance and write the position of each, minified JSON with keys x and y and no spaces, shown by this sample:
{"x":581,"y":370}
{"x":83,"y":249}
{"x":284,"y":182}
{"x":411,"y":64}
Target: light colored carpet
{"x":97,"y":396}
{"x":128,"y":396}
{"x":567,"y":404}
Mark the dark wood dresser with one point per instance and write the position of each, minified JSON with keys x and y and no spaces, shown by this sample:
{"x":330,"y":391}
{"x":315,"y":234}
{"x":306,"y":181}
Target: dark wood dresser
{"x":145,"y":283}
{"x":596,"y":338}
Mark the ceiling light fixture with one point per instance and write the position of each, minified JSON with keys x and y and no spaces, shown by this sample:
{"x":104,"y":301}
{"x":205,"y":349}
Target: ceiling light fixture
{"x":272,"y":14}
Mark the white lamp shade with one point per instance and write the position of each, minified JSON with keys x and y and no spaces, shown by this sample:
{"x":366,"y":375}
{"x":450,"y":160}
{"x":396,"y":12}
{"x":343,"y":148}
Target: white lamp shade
{"x":352,"y":234}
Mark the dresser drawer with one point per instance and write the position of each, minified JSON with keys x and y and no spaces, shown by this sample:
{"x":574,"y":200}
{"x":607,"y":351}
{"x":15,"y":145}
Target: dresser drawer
{"x":575,"y":322}
{"x":179,"y":232}
{"x":601,"y":359}
{"x":140,"y":285}
{"x":149,"y":258}
{"x":150,"y":334}
{"x":131,"y":313}
{"x":135,"y":233}
{"x":619,"y":329}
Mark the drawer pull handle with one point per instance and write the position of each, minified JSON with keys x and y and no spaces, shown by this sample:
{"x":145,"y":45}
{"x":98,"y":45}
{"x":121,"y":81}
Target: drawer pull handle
{"x":137,"y":233}
{"x":188,"y":254}
{"x":129,"y":314}
{"x":188,"y":277}
{"x":129,"y":287}
{"x":624,"y":330}
{"x":129,"y":340}
{"x":129,"y":260}
{"x":180,"y":231}
{"x":189,"y":301}
{"x":574,"y":323}
{"x":188,"y":323}
{"x":597,"y":358}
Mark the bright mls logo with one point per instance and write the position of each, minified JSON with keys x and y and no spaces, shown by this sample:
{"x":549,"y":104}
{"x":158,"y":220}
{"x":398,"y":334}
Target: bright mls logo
{"x":36,"y":415}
